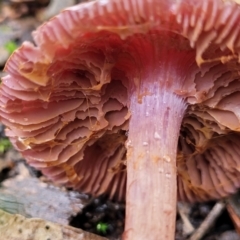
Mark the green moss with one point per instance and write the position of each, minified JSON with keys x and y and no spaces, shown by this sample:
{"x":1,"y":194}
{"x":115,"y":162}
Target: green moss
{"x":4,"y":145}
{"x":11,"y":46}
{"x":102,"y":227}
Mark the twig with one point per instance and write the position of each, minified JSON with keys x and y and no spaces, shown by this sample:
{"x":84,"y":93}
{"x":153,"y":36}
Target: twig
{"x":183,"y":210}
{"x":209,"y":221}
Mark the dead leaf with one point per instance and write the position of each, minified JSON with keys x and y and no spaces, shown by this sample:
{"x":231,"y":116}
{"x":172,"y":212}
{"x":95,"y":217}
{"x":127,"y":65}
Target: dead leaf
{"x":17,"y":227}
{"x":40,"y":199}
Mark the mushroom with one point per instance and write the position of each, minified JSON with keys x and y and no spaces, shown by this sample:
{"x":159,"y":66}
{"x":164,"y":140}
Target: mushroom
{"x":146,"y":91}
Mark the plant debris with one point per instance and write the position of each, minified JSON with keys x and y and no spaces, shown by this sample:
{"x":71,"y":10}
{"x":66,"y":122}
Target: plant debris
{"x":17,"y":227}
{"x":39,"y":199}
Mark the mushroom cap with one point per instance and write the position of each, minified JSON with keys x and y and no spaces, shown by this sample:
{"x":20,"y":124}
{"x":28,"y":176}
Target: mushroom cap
{"x":65,"y":100}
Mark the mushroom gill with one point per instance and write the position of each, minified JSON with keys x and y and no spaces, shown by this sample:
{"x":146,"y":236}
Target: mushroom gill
{"x":147,"y":86}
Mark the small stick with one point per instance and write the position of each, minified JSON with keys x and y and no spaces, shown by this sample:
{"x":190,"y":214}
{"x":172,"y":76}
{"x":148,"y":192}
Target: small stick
{"x":208,"y":221}
{"x":183,"y":210}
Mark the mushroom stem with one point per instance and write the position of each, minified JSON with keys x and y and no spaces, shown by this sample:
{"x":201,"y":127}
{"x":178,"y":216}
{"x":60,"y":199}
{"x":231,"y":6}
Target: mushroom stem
{"x":151,"y":165}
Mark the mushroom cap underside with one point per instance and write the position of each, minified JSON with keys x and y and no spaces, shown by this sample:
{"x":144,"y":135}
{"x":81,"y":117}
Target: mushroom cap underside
{"x":65,"y":100}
